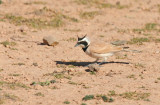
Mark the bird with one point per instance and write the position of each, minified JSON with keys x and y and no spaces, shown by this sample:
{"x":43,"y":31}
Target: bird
{"x":98,"y":49}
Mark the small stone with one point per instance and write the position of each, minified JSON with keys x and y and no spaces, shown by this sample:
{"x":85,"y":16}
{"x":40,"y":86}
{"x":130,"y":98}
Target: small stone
{"x":157,"y":52}
{"x":94,"y":67}
{"x":118,"y":3}
{"x":50,"y":41}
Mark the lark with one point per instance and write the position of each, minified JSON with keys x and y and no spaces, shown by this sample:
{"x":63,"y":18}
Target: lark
{"x":98,"y":49}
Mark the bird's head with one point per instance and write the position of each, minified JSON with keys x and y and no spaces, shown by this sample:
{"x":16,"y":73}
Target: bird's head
{"x":83,"y":42}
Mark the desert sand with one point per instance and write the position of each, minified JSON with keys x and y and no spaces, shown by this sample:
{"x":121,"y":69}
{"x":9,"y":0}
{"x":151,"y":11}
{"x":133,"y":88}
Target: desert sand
{"x":35,"y":74}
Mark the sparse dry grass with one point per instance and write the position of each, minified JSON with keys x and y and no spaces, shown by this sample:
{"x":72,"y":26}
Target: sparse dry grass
{"x":147,"y":29}
{"x":36,"y":2}
{"x":101,"y":4}
{"x":89,"y":15}
{"x":8,"y":43}
{"x":135,"y":95}
{"x":13,"y":85}
{"x":39,"y":94}
{"x":138,"y":41}
{"x":49,"y":19}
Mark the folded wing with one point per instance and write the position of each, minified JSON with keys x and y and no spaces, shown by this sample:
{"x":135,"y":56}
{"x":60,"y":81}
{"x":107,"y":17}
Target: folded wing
{"x":102,"y":48}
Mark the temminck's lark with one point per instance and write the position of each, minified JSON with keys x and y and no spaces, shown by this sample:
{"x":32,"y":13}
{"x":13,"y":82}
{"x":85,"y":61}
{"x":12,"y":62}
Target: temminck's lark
{"x":97,"y":49}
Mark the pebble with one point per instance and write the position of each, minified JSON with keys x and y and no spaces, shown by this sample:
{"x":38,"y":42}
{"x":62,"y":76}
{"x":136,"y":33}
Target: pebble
{"x":94,"y":67}
{"x":50,"y":41}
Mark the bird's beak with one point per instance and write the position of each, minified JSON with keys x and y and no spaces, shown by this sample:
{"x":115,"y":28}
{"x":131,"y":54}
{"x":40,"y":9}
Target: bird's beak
{"x":76,"y":45}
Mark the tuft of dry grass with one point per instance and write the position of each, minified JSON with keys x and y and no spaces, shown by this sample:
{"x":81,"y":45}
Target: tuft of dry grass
{"x":89,"y":15}
{"x":138,"y":40}
{"x":48,"y":19}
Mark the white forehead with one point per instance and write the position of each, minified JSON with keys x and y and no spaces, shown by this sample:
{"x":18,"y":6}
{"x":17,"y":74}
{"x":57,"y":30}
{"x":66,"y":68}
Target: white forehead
{"x":85,"y":39}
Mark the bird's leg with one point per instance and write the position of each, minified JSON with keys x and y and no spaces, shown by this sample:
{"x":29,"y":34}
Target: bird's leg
{"x":105,"y":59}
{"x":96,"y":60}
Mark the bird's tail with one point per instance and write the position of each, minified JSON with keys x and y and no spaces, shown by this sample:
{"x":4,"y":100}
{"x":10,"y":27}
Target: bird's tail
{"x":128,"y":50}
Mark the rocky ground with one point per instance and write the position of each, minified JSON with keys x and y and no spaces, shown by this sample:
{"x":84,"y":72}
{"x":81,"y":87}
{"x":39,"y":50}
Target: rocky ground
{"x":32,"y":73}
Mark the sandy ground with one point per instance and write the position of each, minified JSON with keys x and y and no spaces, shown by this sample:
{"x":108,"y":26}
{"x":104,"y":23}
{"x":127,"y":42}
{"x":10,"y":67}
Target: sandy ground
{"x":33,"y":74}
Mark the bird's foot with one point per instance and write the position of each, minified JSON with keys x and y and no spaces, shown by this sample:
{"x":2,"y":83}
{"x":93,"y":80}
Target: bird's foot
{"x":101,"y":63}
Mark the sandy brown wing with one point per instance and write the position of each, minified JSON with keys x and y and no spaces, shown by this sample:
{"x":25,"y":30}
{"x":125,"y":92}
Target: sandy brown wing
{"x":102,"y":48}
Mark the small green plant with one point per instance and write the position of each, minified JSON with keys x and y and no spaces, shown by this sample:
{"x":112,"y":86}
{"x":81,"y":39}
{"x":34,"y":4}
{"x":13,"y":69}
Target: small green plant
{"x":54,"y":87}
{"x":121,"y":57}
{"x":110,"y":100}
{"x":158,"y":78}
{"x":1,"y":70}
{"x":135,"y":95}
{"x":150,"y":26}
{"x":13,"y":48}
{"x":83,"y":104}
{"x":101,"y":36}
{"x":131,"y":76}
{"x":39,"y":94}
{"x":138,"y":30}
{"x":88,"y":97}
{"x":158,"y":7}
{"x":0,"y":1}
{"x":35,"y":64}
{"x":66,"y":102}
{"x":46,"y":83}
{"x":112,"y":93}
{"x":15,"y":75}
{"x":105,"y":98}
{"x":33,"y":83}
{"x":19,"y":64}
{"x":71,"y":40}
{"x":100,"y":4}
{"x":7,"y":43}
{"x":93,"y":72}
{"x":52,"y":81}
{"x":59,"y":75}
{"x":157,"y":40}
{"x":141,"y":76}
{"x":72,"y":83}
{"x":139,"y":65}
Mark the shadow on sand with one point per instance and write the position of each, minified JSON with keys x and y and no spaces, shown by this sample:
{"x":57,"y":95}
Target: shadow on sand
{"x":86,"y":63}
